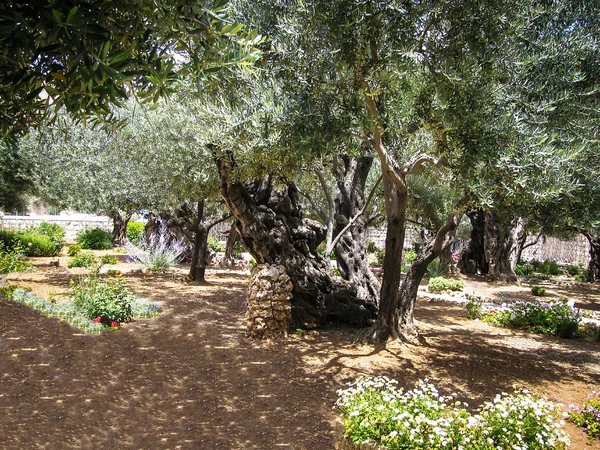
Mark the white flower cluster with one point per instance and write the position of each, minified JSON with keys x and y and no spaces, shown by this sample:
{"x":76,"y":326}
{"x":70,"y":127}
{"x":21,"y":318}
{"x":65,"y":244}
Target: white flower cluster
{"x":374,"y":410}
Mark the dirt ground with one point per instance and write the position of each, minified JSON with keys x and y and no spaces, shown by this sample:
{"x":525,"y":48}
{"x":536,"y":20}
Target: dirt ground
{"x":190,"y":379}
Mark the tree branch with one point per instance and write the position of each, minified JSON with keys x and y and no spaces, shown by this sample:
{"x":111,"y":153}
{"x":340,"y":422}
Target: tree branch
{"x":218,"y":221}
{"x":313,"y":204}
{"x":422,"y":159}
{"x":531,"y":244}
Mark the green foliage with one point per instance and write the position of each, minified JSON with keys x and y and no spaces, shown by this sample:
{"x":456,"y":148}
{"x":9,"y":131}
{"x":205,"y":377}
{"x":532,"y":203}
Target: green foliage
{"x":88,"y":58}
{"x":556,"y":317}
{"x":108,"y":259}
{"x":251,"y":263}
{"x":73,"y":249}
{"x":474,"y":307}
{"x":375,"y":412}
{"x":110,"y":300}
{"x":573,"y":270}
{"x":8,"y":290}
{"x":215,"y":244}
{"x":82,"y":259}
{"x":588,"y":417}
{"x":55,"y":232}
{"x":538,"y":291}
{"x":135,"y":232}
{"x":144,"y":310}
{"x":410,"y":256}
{"x":371,"y":247}
{"x":548,"y":267}
{"x":523,"y":270}
{"x":13,"y":260}
{"x":439,"y":284}
{"x":31,"y":244}
{"x":160,"y":254}
{"x":94,"y":239}
{"x":434,"y":269}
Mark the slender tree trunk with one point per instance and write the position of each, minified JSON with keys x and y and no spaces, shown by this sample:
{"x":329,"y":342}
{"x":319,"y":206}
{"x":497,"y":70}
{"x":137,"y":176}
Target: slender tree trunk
{"x":119,"y":228}
{"x":410,"y":285}
{"x":472,"y":259}
{"x":350,"y":250}
{"x":498,"y":248}
{"x":273,"y":231}
{"x":387,"y":324}
{"x":594,"y":264}
{"x":230,"y":245}
{"x":198,"y":265}
{"x":520,"y":239}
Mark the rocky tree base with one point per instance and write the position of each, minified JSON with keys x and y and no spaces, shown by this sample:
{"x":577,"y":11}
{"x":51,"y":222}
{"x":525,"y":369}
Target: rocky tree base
{"x":269,"y":312}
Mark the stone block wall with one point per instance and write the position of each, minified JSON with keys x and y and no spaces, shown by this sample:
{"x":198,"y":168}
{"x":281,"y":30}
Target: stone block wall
{"x":71,"y":224}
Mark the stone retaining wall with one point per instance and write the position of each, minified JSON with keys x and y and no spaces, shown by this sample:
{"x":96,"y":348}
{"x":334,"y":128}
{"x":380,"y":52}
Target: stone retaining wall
{"x":72,"y":224}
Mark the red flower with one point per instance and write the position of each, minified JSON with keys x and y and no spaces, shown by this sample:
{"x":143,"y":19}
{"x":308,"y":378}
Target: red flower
{"x":114,"y":324}
{"x":117,"y":272}
{"x":98,"y":319}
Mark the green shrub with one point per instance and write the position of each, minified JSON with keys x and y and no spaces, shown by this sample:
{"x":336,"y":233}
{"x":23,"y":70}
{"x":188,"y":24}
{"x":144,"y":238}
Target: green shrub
{"x":94,"y":239}
{"x":371,"y":247}
{"x":375,"y":413}
{"x":556,"y":317}
{"x":573,"y":270}
{"x":523,"y":270}
{"x":548,"y":267}
{"x":434,"y":269}
{"x":82,"y":259}
{"x":108,"y":259}
{"x":110,"y":301}
{"x":12,"y":260}
{"x":31,"y":244}
{"x":160,"y":254}
{"x":439,"y":284}
{"x":409,"y":257}
{"x":136,"y":231}
{"x":588,"y":417}
{"x":538,"y":291}
{"x":54,"y":232}
{"x":215,"y":244}
{"x":73,"y":249}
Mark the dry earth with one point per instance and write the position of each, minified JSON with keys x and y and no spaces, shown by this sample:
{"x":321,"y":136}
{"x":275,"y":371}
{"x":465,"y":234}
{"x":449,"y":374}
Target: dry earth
{"x":190,"y":379}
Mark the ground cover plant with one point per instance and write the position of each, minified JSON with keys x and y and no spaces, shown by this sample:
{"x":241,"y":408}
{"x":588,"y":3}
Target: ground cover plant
{"x":94,"y":239}
{"x":108,"y":259}
{"x":538,"y":291}
{"x":73,"y":249}
{"x":54,"y":232}
{"x":439,"y":284}
{"x":374,"y":411}
{"x":555,"y":317}
{"x":588,"y":417}
{"x":12,"y":260}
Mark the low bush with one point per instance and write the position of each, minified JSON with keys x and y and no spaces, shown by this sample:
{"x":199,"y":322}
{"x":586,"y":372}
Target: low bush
{"x":523,"y":270}
{"x":160,"y":254}
{"x":54,"y":232}
{"x":538,"y":291}
{"x":377,"y":414}
{"x":556,"y":317}
{"x":474,"y":307}
{"x":110,"y":301}
{"x":73,"y":249}
{"x":215,"y":244}
{"x":439,"y":284}
{"x":82,"y":259}
{"x":108,"y":259}
{"x":12,"y":260}
{"x":31,"y":244}
{"x":94,"y":239}
{"x":573,"y":270}
{"x":434,"y":269}
{"x":548,"y":267}
{"x":409,"y":257}
{"x":135,"y":232}
{"x":588,"y":417}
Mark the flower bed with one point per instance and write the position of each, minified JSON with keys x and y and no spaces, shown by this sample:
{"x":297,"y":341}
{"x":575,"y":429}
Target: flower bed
{"x":375,"y":414}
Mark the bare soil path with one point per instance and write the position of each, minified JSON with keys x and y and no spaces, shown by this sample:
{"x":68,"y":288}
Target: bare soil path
{"x":190,"y":379}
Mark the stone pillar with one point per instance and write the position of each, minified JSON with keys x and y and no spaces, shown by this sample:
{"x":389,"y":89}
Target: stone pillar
{"x":269,"y":310}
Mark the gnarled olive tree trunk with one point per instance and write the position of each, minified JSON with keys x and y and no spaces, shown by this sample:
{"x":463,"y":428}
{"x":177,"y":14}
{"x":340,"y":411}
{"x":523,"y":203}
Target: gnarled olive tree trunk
{"x":350,"y":250}
{"x":273,"y":231}
{"x":472,"y":259}
{"x":594,"y":264}
{"x":499,"y":247}
{"x":119,"y":227}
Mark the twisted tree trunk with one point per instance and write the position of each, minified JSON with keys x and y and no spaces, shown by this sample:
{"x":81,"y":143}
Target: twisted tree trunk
{"x":594,"y":264}
{"x":119,"y":227}
{"x":273,"y":231}
{"x":230,"y":245}
{"x":472,"y":259}
{"x":499,"y":248}
{"x":350,"y":250}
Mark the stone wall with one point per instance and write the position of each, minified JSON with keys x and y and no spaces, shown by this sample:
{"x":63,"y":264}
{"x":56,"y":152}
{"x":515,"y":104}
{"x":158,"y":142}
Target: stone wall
{"x":71,"y":223}
{"x":269,"y":310}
